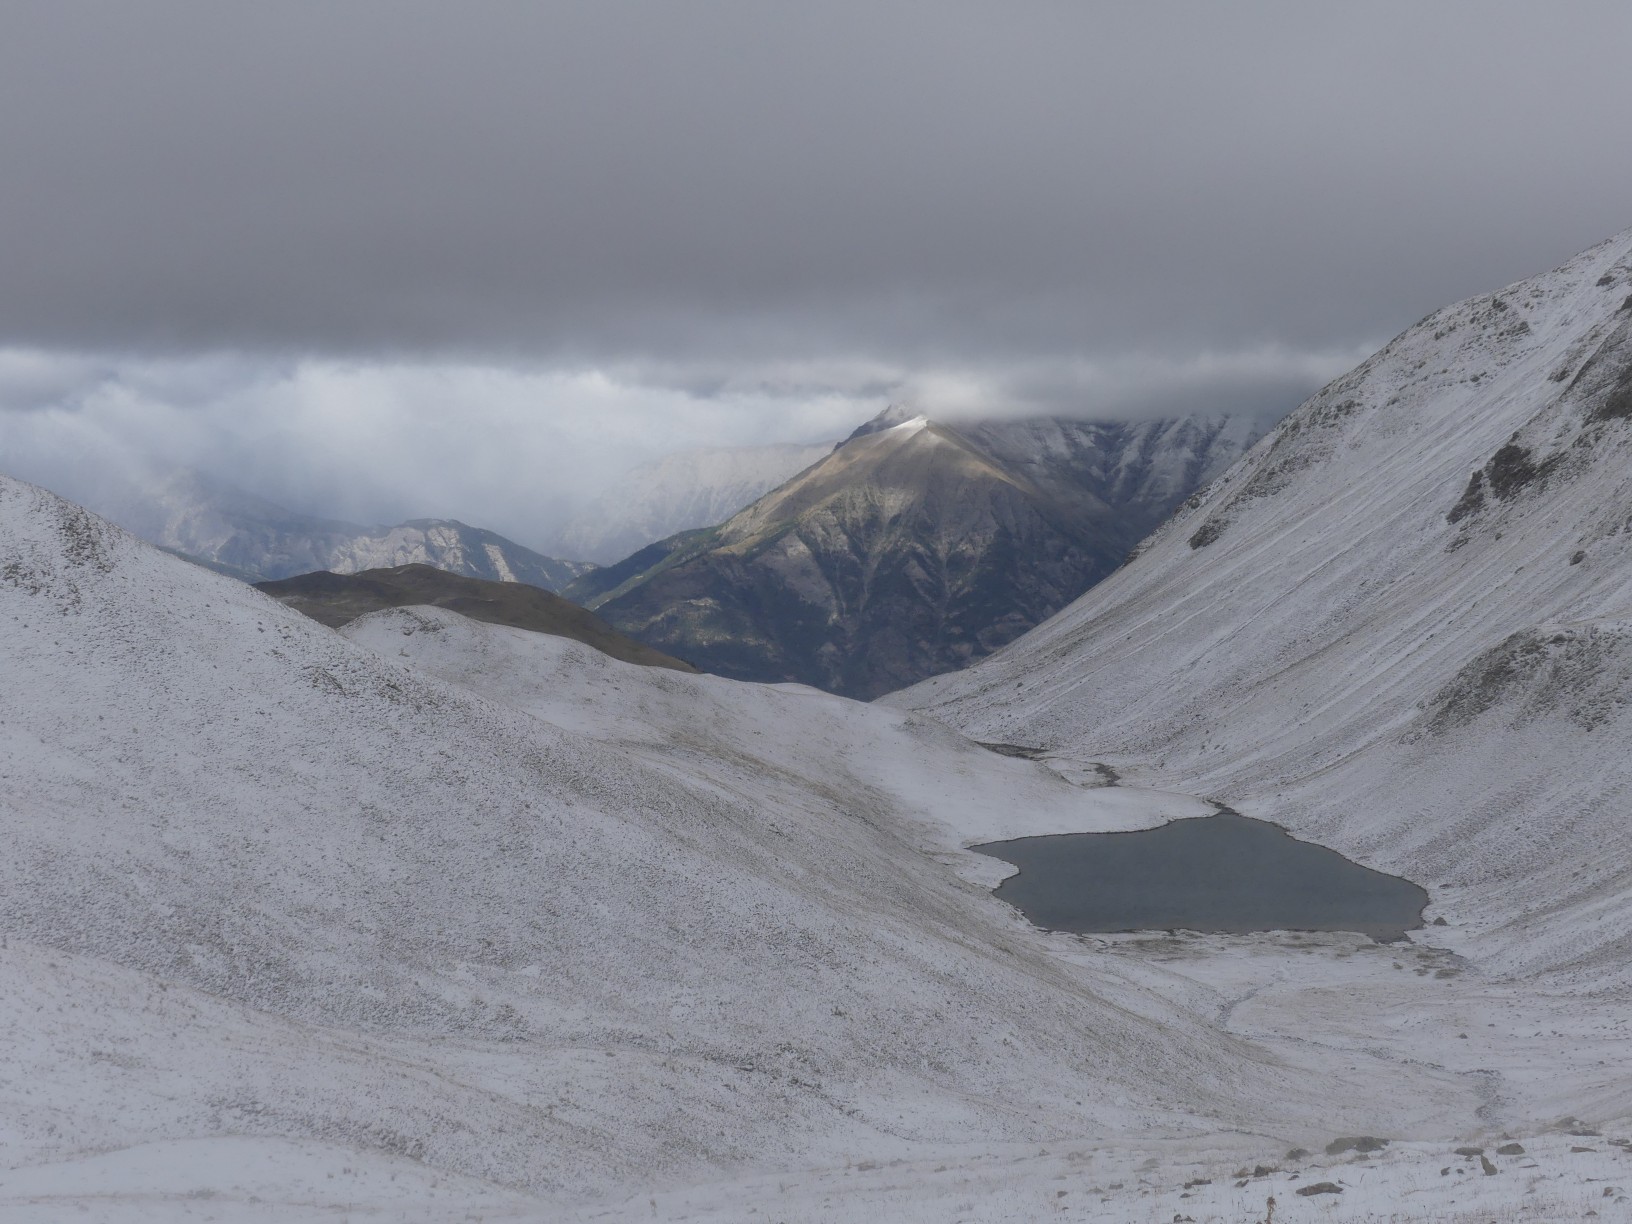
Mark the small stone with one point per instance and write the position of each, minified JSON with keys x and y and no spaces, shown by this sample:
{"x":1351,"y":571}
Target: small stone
{"x":1320,"y":1188}
{"x":1489,"y":1168}
{"x":1510,"y":1149}
{"x":1578,"y":1148}
{"x":1298,"y":1154}
{"x":1441,"y":922}
{"x":1355,"y":1143}
{"x":1469,"y":1151}
{"x":1263,"y":1171}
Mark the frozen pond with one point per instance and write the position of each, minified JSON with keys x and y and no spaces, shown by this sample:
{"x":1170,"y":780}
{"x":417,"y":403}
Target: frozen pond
{"x":1225,"y":873}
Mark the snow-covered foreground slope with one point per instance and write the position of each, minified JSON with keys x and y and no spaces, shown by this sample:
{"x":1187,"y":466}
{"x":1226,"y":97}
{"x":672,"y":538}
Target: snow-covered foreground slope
{"x":1402,"y":626}
{"x":597,"y":928}
{"x":454,"y":921}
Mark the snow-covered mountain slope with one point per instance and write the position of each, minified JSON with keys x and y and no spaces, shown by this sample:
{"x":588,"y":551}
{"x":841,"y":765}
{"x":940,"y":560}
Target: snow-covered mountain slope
{"x":912,"y":548}
{"x":435,"y":919}
{"x":447,"y":544}
{"x":1400,"y":626}
{"x":679,"y":492}
{"x":225,"y":528}
{"x":563,"y":925}
{"x":1143,"y":469}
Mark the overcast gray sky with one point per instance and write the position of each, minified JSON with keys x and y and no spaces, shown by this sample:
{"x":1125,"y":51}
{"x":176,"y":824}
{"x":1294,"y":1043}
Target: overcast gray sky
{"x":475,"y":258}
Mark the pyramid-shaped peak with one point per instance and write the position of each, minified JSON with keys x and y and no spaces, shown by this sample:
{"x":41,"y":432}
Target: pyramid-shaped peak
{"x":895,"y":414}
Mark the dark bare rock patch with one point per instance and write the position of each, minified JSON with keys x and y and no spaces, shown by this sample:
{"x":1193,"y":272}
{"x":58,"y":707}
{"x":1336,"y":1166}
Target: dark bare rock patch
{"x":338,"y":599}
{"x":1012,"y":750}
{"x":1356,"y":1143}
{"x":1315,"y":1188}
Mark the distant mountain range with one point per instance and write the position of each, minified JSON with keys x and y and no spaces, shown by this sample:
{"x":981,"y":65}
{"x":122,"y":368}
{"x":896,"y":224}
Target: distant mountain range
{"x":679,"y":492}
{"x":248,"y":537}
{"x":913,"y":547}
{"x":910,"y":549}
{"x":339,"y":599}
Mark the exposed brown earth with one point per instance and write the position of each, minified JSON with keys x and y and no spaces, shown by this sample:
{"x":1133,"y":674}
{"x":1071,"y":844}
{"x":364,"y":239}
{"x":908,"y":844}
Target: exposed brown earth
{"x":337,"y":599}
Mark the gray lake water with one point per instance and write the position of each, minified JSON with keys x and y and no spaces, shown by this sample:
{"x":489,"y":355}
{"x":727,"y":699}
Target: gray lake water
{"x":1225,"y":873}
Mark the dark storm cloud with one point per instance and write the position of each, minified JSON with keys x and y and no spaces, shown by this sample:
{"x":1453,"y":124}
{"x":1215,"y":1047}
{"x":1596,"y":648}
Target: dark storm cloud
{"x":907,"y":181}
{"x":390,"y":259}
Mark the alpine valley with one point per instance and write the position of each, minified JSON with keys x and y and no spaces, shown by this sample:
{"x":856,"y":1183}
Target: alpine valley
{"x":430,"y":918}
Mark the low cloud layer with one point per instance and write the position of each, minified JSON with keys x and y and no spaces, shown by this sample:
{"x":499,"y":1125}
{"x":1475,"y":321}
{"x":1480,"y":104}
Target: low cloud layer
{"x":517,"y":449}
{"x":403,"y":258}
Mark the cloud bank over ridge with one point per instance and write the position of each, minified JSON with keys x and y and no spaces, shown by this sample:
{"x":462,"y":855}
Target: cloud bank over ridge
{"x":398,"y":233}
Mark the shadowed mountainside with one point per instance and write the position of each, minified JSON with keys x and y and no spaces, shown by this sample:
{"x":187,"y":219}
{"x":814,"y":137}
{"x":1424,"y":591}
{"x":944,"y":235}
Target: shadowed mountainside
{"x":912,"y":549}
{"x":338,"y":599}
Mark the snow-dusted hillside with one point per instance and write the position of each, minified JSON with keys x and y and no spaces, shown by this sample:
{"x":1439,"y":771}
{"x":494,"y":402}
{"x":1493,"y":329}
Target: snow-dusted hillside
{"x":597,"y":927}
{"x":447,"y":544}
{"x":451,"y":920}
{"x":678,"y":492}
{"x":1142,"y":469}
{"x":1400,"y":626}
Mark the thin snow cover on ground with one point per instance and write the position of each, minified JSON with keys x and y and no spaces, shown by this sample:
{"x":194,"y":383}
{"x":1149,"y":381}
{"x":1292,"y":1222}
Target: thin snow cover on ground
{"x":456,"y":921}
{"x":954,"y":792}
{"x":1402,"y":627}
{"x":607,"y":931}
{"x":451,"y":920}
